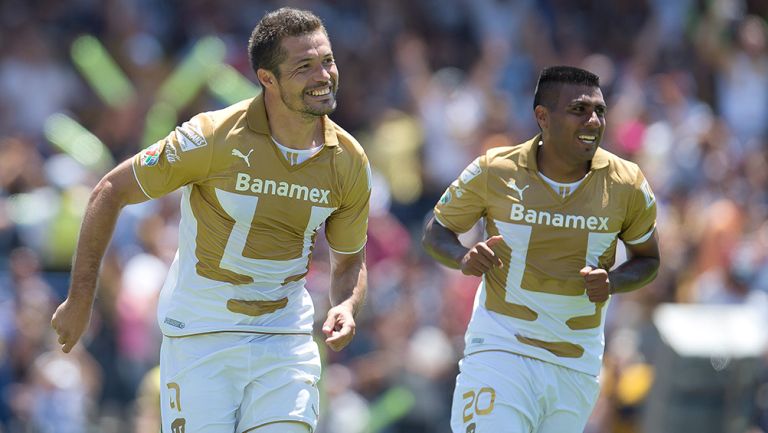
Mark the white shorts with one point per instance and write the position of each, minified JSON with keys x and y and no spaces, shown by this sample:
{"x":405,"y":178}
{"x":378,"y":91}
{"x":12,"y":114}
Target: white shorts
{"x":225,"y":383}
{"x":500,"y":392}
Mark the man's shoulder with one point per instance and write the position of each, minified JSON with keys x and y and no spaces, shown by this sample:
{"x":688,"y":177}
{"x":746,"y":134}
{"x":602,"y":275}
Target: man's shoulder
{"x":348,"y":145}
{"x":230,"y":116}
{"x":217,"y":128}
{"x":508,"y":157}
{"x":504,"y":152}
{"x":620,"y":169}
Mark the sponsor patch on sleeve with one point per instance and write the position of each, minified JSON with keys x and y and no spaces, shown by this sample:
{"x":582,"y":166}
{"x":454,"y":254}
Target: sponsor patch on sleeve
{"x":190,"y":136}
{"x":471,"y":172}
{"x":170,"y":152}
{"x":648,"y":193}
{"x":149,"y":156}
{"x":446,"y":198}
{"x":458,"y":190}
{"x":370,"y":175}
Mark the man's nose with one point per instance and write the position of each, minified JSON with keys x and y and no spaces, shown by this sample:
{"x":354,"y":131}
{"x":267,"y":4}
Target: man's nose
{"x":322,"y":73}
{"x":594,"y":119}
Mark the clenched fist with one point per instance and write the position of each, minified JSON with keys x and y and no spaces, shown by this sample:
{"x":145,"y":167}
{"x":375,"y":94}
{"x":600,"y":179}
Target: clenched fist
{"x":481,"y":258}
{"x":70,"y":322}
{"x":597,"y":283}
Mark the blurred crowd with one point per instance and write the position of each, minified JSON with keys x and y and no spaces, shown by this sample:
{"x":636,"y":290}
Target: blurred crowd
{"x":426,"y":85}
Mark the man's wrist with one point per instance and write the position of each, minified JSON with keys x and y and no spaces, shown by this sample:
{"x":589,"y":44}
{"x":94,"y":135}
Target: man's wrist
{"x":349,"y":305}
{"x":459,"y":256}
{"x":82,"y":294}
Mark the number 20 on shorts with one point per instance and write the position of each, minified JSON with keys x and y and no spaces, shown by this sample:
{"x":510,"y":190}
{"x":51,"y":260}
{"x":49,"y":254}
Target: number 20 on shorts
{"x":477,"y":403}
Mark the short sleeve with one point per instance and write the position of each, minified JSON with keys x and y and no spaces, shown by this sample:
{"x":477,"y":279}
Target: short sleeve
{"x":347,"y":228}
{"x":183,"y":157}
{"x":464,"y":202}
{"x":641,"y":216}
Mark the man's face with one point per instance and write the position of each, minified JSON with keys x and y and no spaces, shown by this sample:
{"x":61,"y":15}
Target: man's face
{"x":309,"y":78}
{"x":577,"y":122}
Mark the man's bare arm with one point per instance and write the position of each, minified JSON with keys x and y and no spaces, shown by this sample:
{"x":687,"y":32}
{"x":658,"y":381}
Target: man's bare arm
{"x":116,"y":189}
{"x":349,"y":284}
{"x":639,"y":270}
{"x":444,"y":246}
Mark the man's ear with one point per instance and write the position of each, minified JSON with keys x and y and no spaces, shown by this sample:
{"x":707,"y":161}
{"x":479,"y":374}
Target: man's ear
{"x":542,"y":116}
{"x":266,"y":78}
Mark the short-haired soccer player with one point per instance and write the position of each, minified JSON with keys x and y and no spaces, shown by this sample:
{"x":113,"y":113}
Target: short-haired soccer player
{"x":258,"y":179}
{"x":554,"y":209}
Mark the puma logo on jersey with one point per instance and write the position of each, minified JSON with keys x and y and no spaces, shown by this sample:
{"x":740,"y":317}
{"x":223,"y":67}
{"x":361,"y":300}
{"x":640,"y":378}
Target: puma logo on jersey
{"x":244,"y":182}
{"x":519,"y":191}
{"x":554,"y":219}
{"x":246,"y":158}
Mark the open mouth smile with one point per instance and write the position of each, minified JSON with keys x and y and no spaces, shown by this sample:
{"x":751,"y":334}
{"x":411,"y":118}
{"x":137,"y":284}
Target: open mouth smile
{"x":588,"y":138}
{"x":323,"y":91}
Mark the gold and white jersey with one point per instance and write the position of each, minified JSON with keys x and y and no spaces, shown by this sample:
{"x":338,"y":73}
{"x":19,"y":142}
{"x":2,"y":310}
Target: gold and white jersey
{"x":249,"y":219}
{"x":536,"y":304}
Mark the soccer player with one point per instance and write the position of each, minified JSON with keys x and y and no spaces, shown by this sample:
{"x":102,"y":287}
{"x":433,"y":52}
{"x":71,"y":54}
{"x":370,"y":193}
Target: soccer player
{"x":554,"y":208}
{"x":258,"y":179}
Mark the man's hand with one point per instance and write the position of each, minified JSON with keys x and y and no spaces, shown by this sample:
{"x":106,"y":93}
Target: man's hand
{"x":481,"y":258}
{"x":597,"y":283}
{"x":339,"y":327}
{"x":70,"y":322}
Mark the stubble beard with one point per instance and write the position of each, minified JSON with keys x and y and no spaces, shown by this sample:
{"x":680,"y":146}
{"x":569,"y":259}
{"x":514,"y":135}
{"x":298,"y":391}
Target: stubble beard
{"x":305,"y":109}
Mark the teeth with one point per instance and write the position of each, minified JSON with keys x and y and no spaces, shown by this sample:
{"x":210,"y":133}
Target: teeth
{"x":320,"y":92}
{"x":588,"y":138}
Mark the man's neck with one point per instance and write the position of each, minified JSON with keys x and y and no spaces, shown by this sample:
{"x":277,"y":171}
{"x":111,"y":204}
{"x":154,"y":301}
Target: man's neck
{"x":557,"y":169}
{"x":292,"y":129}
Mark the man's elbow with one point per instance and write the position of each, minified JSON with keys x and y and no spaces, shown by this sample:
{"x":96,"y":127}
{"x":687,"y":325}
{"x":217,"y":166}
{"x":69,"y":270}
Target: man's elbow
{"x":655,"y":264}
{"x":106,"y":193}
{"x":427,"y":242}
{"x":651,"y":270}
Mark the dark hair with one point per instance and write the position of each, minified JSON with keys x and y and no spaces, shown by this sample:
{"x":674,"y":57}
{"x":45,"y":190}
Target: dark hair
{"x":552,"y":78}
{"x":264,"y":48}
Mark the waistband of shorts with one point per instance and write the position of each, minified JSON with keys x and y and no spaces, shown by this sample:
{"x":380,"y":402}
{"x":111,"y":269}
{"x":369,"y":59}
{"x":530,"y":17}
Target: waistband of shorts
{"x":234,"y":332}
{"x":511,"y":352}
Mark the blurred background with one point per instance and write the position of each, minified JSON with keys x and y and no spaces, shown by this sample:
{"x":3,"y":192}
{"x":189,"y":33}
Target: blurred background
{"x":426,"y":85}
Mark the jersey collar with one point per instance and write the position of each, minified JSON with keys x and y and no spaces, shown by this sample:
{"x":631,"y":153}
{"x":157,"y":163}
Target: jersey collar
{"x":257,"y":121}
{"x":528,"y":157}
